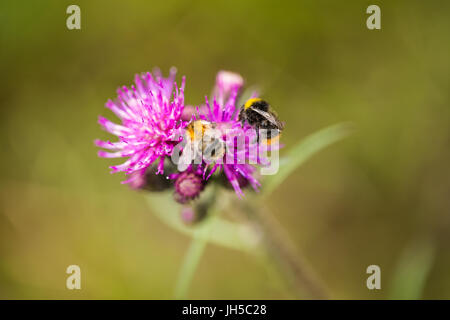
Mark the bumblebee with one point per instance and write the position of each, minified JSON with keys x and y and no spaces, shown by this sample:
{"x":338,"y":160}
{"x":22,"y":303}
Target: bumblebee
{"x":256,"y":112}
{"x":202,"y":139}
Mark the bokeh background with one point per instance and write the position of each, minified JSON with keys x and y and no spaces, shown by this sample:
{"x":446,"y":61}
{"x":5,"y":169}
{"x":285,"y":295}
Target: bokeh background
{"x":379,"y":197}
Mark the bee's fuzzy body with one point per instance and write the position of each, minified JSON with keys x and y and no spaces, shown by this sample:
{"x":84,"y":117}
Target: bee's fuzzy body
{"x":265,"y":119}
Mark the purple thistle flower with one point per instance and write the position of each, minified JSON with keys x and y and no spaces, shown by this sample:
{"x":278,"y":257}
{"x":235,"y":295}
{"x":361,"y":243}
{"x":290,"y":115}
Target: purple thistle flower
{"x":151,"y":126}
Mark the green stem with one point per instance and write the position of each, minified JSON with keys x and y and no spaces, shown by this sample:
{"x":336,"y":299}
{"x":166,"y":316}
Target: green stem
{"x":190,"y":262}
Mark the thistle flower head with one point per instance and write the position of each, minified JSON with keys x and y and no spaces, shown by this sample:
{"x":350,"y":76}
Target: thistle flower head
{"x":150,"y":114}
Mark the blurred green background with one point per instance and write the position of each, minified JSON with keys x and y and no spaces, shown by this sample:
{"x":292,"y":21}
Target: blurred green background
{"x":379,"y":197}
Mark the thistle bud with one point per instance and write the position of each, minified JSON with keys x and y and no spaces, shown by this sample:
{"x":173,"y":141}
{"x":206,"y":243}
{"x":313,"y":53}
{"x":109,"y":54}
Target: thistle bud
{"x":188,"y":186}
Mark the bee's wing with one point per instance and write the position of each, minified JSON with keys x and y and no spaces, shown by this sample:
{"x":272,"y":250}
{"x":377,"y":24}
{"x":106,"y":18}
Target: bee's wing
{"x":269,"y":117}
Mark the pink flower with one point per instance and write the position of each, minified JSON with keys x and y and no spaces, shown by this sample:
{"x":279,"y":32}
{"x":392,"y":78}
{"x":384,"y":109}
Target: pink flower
{"x":150,"y":113}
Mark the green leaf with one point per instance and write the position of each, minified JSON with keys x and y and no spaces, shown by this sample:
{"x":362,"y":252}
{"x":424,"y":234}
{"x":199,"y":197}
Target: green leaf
{"x":412,"y":270}
{"x":304,"y":150}
{"x":221,"y":232}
